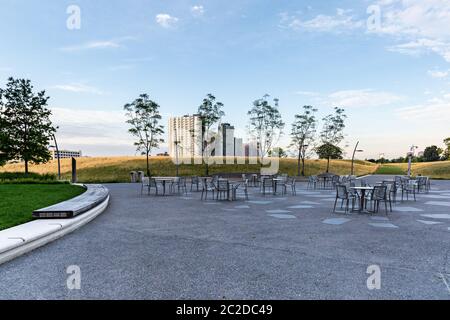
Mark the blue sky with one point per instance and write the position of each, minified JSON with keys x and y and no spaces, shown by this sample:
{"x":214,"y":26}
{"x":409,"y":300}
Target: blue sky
{"x":393,"y":78}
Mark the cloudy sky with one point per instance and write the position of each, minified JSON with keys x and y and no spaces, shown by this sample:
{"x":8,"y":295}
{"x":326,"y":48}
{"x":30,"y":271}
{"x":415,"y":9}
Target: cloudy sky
{"x":386,"y":62}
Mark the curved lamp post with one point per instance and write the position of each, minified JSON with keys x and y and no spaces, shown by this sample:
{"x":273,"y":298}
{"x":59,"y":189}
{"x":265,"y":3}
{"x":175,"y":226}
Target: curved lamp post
{"x":353,"y":156}
{"x":57,"y":156}
{"x":410,"y":155}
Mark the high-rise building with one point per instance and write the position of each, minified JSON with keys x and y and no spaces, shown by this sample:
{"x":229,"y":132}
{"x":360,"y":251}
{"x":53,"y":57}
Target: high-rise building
{"x":185,"y":135}
{"x":224,"y":145}
{"x":64,"y":154}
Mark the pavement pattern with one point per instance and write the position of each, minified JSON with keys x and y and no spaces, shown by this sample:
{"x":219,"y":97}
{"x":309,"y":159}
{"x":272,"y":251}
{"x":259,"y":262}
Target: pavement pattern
{"x":271,"y":247}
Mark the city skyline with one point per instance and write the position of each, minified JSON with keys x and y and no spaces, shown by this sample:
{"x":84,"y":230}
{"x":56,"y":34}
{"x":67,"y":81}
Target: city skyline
{"x":391,"y":79}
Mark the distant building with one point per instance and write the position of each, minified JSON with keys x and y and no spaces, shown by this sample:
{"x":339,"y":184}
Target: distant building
{"x":64,"y":154}
{"x":238,"y":147}
{"x":165,"y":154}
{"x":251,"y":149}
{"x":185,"y":136}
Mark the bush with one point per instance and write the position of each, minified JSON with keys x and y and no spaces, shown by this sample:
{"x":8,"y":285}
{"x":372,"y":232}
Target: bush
{"x":30,"y":178}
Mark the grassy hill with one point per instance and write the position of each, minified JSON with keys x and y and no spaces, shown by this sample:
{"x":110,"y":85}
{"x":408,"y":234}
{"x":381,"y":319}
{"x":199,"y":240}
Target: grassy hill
{"x":116,"y":169}
{"x":436,"y":170}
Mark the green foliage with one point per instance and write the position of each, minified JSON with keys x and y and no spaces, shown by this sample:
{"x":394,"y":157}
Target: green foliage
{"x":302,"y":133}
{"x":278,"y":152}
{"x":446,"y":155}
{"x":329,"y":151}
{"x":143,"y":117}
{"x":28,"y":178}
{"x":210,"y":111}
{"x":265,"y":124}
{"x":332,"y":132}
{"x":432,"y":153}
{"x":25,"y":123}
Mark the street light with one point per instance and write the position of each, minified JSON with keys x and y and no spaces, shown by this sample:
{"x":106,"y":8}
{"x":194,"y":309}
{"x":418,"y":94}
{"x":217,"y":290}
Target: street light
{"x":410,"y":155}
{"x":353,"y":157}
{"x":57,"y":156}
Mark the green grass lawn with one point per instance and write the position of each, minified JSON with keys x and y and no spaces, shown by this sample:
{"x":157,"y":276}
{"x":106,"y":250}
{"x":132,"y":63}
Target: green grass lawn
{"x":391,"y":169}
{"x":17,"y":202}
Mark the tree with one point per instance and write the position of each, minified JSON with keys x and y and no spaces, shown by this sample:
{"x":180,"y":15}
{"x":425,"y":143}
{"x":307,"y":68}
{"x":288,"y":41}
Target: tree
{"x":302,"y":134}
{"x":265,"y":124}
{"x":26,"y":129}
{"x":446,"y":155}
{"x":143,"y":116}
{"x":210,"y":111}
{"x":329,"y":151}
{"x":278,"y":152}
{"x":432,"y":153}
{"x":333,"y":132}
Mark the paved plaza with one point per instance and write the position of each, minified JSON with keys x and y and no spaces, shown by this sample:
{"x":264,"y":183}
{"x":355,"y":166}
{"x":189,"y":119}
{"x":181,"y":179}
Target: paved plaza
{"x":270,"y":247}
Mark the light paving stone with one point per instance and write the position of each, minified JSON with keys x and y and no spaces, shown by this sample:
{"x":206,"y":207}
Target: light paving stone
{"x":384,"y":225}
{"x":320,"y":196}
{"x":438,"y":203}
{"x":379,"y":218}
{"x":260,"y":202}
{"x":187,"y":198}
{"x":242,"y":207}
{"x":211,"y":203}
{"x":432,"y":196}
{"x":283,"y":216}
{"x":329,"y":200}
{"x":429,"y":222}
{"x":310,"y":202}
{"x":301,"y":207}
{"x":436,"y":215}
{"x":227,"y":209}
{"x":278,"y":211}
{"x":407,"y":209}
{"x":336,"y":221}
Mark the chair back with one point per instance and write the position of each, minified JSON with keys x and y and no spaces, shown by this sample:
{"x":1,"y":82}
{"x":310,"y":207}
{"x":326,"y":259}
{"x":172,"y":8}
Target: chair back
{"x":145,"y":181}
{"x":195,"y":180}
{"x":267,"y":182}
{"x":341,"y":191}
{"x":223,"y":185}
{"x":379,"y":193}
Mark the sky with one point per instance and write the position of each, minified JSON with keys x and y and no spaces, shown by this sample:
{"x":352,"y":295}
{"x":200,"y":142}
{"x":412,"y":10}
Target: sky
{"x":387,"y":62}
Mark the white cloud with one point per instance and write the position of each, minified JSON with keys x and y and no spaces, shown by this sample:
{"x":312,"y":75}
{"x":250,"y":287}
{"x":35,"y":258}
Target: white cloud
{"x":78,"y":88}
{"x":436,"y":109}
{"x":197,"y":10}
{"x":93,"y":45}
{"x":166,"y":20}
{"x":423,"y":24}
{"x":421,"y":46}
{"x":343,"y":20}
{"x":307,"y":93}
{"x":363,"y":98}
{"x":438,"y":74}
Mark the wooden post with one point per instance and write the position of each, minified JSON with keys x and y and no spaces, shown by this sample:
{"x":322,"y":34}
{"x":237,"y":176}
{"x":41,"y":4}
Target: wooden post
{"x":74,"y":170}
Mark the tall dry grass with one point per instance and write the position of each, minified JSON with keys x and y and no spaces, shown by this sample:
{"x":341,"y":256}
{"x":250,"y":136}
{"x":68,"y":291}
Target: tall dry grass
{"x":117,"y":169}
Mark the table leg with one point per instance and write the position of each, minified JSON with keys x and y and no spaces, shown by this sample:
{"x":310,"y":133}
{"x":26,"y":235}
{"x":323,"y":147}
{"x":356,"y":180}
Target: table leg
{"x":362,"y":202}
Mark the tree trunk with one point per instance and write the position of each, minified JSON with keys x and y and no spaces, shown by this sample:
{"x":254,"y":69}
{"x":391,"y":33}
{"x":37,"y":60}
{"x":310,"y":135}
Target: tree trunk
{"x":328,"y":165}
{"x":148,"y":166}
{"x":207,"y":169}
{"x":26,"y":166}
{"x":303,"y":166}
{"x":298,"y":162}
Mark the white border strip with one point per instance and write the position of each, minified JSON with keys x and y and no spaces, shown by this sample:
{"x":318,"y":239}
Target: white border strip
{"x":67,"y":226}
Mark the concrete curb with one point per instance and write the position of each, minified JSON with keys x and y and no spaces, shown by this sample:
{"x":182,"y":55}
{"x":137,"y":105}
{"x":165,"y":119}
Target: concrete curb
{"x":24,"y":238}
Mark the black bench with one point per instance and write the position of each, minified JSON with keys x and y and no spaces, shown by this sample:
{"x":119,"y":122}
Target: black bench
{"x":94,"y":195}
